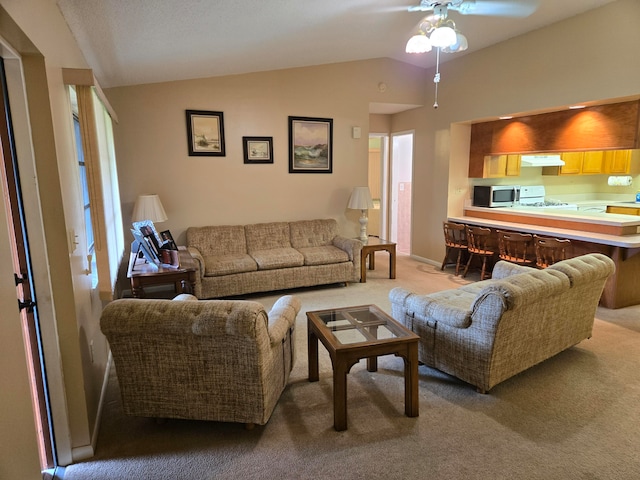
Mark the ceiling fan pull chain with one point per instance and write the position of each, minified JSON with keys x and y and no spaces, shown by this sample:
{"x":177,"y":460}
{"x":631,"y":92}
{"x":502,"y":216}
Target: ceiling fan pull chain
{"x":436,"y":78}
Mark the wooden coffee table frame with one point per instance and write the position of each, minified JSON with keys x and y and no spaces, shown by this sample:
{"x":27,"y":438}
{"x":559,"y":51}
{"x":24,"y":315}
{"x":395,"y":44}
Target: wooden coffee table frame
{"x":344,"y":356}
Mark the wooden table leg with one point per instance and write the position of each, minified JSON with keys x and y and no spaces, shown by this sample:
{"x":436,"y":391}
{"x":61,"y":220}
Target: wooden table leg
{"x":340,"y":370}
{"x":411,"y":399}
{"x":392,"y":261}
{"x":312,"y":354}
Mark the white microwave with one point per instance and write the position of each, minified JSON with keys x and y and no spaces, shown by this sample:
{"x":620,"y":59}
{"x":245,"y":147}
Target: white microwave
{"x":495,"y":195}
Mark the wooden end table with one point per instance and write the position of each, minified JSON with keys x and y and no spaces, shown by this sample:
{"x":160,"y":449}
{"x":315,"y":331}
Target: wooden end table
{"x":143,"y":275}
{"x":376,"y":244}
{"x":352,"y":333}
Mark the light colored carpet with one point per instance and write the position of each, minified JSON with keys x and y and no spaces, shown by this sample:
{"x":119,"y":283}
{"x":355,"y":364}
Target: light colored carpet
{"x":574,"y":416}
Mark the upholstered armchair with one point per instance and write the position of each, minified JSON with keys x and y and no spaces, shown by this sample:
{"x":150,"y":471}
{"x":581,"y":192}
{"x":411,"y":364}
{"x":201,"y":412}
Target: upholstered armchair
{"x":221,"y":360}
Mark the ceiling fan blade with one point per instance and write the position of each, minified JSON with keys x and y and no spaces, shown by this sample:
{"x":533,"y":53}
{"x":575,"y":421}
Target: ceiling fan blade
{"x":498,"y":8}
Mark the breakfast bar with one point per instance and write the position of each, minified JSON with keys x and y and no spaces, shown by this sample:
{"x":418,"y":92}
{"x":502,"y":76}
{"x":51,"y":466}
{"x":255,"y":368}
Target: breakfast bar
{"x":617,"y":236}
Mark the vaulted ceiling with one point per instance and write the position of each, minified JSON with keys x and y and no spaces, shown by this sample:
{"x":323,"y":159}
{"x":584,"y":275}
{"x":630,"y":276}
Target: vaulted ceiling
{"x":135,"y":42}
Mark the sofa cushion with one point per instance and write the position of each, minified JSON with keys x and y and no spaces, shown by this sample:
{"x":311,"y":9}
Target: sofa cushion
{"x":217,"y":240}
{"x":277,"y":258}
{"x":323,"y":255}
{"x":266,"y":236}
{"x":215,"y":265}
{"x":313,"y":233}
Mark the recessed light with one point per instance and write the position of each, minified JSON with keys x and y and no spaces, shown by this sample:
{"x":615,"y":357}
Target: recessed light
{"x":505,"y":117}
{"x":576,"y":107}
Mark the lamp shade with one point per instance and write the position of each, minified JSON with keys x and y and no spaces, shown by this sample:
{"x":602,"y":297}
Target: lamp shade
{"x":360,"y":199}
{"x":148,"y":207}
{"x":418,"y":44}
{"x":443,"y":37}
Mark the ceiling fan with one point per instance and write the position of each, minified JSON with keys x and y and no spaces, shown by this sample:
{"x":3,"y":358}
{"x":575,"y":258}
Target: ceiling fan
{"x":504,"y":8}
{"x":437,"y":30}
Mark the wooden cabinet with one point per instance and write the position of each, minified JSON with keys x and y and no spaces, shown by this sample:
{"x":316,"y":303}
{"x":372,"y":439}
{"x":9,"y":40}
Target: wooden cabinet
{"x":617,"y":162}
{"x":610,"y":162}
{"x":572,"y":163}
{"x":498,"y":166}
{"x":623,"y":210}
{"x":592,"y":162}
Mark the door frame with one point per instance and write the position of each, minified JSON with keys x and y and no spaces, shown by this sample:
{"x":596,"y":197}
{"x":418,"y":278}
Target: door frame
{"x":17,"y":92}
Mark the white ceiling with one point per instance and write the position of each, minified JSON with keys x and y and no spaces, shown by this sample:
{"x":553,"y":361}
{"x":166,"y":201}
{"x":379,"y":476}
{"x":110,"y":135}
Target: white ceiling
{"x":146,"y":41}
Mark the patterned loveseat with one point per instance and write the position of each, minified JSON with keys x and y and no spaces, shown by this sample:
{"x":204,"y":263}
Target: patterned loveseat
{"x":488,"y":331}
{"x":263,"y":257}
{"x":220,"y":360}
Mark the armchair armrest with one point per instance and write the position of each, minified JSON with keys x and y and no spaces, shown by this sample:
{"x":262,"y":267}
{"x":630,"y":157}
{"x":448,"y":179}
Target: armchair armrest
{"x":282,"y":317}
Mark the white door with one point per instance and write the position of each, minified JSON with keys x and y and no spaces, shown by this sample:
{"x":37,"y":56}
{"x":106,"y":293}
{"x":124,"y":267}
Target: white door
{"x":401,"y":172}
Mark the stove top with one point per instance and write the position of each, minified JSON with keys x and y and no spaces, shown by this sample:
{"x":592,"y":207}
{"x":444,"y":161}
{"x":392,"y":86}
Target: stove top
{"x":533,"y":196}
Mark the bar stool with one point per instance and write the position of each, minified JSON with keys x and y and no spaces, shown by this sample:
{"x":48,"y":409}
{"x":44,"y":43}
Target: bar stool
{"x":550,"y":250}
{"x":479,"y":244}
{"x":516,"y":248}
{"x":455,"y":239}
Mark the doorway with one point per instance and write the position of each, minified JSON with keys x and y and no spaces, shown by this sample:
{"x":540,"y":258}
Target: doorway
{"x":24,"y":279}
{"x":400,"y":181}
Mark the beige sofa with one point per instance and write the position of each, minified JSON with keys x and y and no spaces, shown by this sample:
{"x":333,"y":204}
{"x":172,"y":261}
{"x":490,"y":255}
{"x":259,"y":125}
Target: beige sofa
{"x":240,"y":259}
{"x":220,"y":360}
{"x":488,"y":331}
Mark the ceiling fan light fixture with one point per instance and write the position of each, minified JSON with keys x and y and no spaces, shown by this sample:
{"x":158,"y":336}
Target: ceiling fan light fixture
{"x":443,"y":37}
{"x":460,"y":46}
{"x":418,"y":44}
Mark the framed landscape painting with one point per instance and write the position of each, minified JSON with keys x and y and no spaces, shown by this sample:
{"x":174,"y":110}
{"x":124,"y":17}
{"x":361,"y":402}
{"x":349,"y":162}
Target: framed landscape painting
{"x":310,"y":145}
{"x":257,"y":149}
{"x":205,"y":132}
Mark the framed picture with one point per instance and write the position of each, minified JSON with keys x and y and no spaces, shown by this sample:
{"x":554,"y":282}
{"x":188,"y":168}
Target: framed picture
{"x":147,"y":229}
{"x":310,"y":145}
{"x":205,"y":132}
{"x":258,"y":149}
{"x":144,"y":246}
{"x":167,"y":240}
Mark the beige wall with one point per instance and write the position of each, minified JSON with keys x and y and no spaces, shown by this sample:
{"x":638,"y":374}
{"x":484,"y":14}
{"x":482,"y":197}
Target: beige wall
{"x":526,"y":73}
{"x":152,"y":151}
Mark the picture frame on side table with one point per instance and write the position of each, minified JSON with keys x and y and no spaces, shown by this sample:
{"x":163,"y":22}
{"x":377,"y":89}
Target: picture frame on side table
{"x":148,"y":229}
{"x":257,"y":149}
{"x":310,"y":145}
{"x":205,"y":133}
{"x":167,"y":240}
{"x":145,"y":247}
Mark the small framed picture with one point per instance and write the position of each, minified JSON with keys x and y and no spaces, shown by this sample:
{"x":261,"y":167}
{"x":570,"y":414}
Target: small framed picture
{"x":167,"y":240}
{"x":205,"y":132}
{"x":144,"y":246}
{"x":258,"y":149}
{"x":310,"y":145}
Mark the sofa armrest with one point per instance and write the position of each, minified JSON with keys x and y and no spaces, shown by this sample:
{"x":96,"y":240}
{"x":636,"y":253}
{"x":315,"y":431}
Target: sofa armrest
{"x":452,"y":307}
{"x":197,"y":256}
{"x":352,"y":246}
{"x":282,"y":317}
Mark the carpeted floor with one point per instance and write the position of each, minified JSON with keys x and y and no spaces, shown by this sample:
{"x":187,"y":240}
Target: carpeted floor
{"x":574,"y":416}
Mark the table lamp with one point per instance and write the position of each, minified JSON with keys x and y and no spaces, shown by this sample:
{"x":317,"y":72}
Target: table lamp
{"x":361,"y":200}
{"x":148,"y":207}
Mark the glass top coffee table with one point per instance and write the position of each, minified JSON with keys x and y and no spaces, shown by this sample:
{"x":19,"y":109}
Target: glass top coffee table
{"x":352,"y":333}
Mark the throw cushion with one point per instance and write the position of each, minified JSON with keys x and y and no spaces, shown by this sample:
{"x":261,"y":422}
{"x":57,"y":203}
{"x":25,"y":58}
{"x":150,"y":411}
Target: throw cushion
{"x":277,"y":258}
{"x":323,"y":255}
{"x":228,"y":264}
{"x":265,"y":236}
{"x":217,"y":240}
{"x":313,"y":233}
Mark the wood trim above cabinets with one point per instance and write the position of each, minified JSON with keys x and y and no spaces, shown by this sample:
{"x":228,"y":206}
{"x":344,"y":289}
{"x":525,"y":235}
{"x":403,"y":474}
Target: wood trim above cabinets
{"x":603,"y":127}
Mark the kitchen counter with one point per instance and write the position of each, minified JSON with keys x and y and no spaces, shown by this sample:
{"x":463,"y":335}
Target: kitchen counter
{"x":588,"y":232}
{"x":613,"y":229}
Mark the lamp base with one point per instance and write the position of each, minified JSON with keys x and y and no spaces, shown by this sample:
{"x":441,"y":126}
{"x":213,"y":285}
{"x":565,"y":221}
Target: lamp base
{"x":363,"y":227}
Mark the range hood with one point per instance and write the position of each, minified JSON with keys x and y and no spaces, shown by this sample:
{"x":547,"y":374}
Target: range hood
{"x":541,"y":161}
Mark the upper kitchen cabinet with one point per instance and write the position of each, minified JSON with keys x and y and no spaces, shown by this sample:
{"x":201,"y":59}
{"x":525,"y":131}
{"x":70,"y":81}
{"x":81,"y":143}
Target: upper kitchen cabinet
{"x":499,"y":166}
{"x":617,"y":162}
{"x":592,"y":129}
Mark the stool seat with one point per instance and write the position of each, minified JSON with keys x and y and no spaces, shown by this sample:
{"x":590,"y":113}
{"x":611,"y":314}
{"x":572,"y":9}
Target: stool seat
{"x":479,"y":245}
